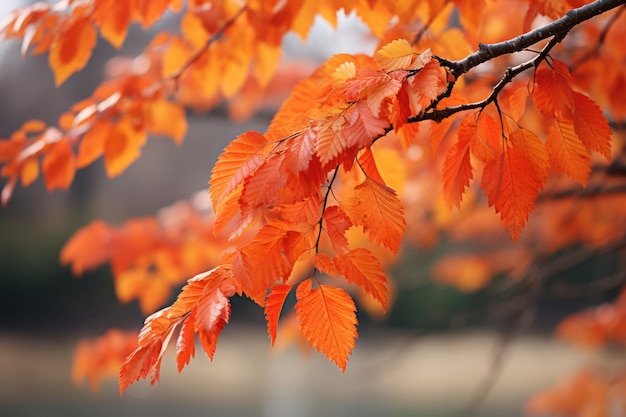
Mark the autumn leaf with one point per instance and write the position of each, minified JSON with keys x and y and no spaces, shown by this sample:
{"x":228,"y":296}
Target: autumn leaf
{"x":273,"y":306}
{"x":591,"y":126}
{"x":122,"y":147}
{"x":377,"y":208}
{"x":511,"y":185}
{"x":395,"y":55}
{"x":238,"y":161}
{"x":59,"y":165}
{"x":327,"y":320}
{"x":457,"y":169}
{"x":336,"y":223}
{"x":146,"y":359}
{"x":361,"y":267}
{"x":113,"y":18}
{"x":72,"y":48}
{"x":566,"y":151}
{"x":553,"y":95}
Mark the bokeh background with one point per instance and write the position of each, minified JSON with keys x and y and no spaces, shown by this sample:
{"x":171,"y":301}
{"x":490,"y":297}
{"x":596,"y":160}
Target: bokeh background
{"x":420,"y":360}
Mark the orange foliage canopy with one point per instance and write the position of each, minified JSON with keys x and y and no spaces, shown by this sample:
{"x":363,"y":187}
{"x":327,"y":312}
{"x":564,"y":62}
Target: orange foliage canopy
{"x":324,"y":198}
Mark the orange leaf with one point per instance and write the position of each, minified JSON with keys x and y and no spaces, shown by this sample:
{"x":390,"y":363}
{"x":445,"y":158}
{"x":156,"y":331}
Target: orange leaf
{"x":92,"y":145}
{"x":146,"y":359}
{"x":113,"y":18}
{"x":361,"y":267}
{"x":238,"y":161}
{"x":273,"y":307}
{"x":213,"y":312}
{"x":262,"y":262}
{"x":535,"y":151}
{"x":553,"y":95}
{"x":591,"y":126}
{"x":186,"y":342}
{"x":29,"y":171}
{"x":175,"y":57}
{"x":336,"y":222}
{"x":511,"y":185}
{"x":566,"y":152}
{"x":167,"y":118}
{"x":378,"y":209}
{"x":426,"y":85}
{"x":327,"y":321}
{"x":488,"y":139}
{"x":71,"y":49}
{"x":122,"y":147}
{"x":59,"y":165}
{"x":517,"y":102}
{"x":457,"y":169}
{"x":325,"y":264}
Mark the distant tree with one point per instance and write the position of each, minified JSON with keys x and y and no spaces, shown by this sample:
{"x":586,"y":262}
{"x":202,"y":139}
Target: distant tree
{"x":464,"y":106}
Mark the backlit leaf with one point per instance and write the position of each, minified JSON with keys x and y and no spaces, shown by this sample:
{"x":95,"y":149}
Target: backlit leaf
{"x":59,"y":166}
{"x":591,"y":126}
{"x":72,"y":49}
{"x":239,"y":159}
{"x":361,"y":267}
{"x":273,"y":306}
{"x":457,"y":169}
{"x":377,"y":208}
{"x":395,"y":55}
{"x":566,"y":152}
{"x":511,"y":186}
{"x":328,"y":321}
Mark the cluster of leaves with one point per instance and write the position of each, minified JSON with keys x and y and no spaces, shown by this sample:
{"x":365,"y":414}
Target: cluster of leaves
{"x":364,"y":152}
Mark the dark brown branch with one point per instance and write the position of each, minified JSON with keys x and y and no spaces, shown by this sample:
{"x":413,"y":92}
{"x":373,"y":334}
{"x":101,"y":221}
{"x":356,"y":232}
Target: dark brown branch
{"x":556,"y":30}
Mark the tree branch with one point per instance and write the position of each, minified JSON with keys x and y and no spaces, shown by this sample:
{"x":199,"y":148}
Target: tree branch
{"x":556,"y":30}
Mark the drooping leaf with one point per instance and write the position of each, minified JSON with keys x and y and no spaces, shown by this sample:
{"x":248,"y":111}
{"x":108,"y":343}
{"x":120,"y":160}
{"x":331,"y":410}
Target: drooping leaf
{"x":566,"y":151}
{"x":186,"y":342}
{"x":146,"y":359}
{"x":457,"y":169}
{"x":325,"y":264}
{"x":553,"y":95}
{"x":511,"y":186}
{"x":377,"y":208}
{"x":361,"y":267}
{"x":239,"y":159}
{"x":72,"y":49}
{"x":591,"y":126}
{"x":59,"y":165}
{"x":273,"y":307}
{"x":327,"y":320}
{"x":336,"y":223}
